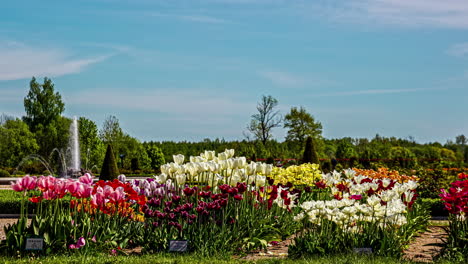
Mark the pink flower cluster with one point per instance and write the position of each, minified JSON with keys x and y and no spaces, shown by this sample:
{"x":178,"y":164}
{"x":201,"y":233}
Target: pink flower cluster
{"x":53,"y":188}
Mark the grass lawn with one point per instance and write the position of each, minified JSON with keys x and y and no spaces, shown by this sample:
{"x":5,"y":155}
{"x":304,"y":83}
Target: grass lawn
{"x":189,"y":259}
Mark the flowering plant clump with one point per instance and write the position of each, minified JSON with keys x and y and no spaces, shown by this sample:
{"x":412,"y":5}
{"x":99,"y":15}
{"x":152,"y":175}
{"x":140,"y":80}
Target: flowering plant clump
{"x":212,"y":169}
{"x":384,"y":173}
{"x":303,"y":175}
{"x":194,"y":213}
{"x":69,"y":211}
{"x":359,"y":212}
{"x":247,"y":205}
{"x":456,"y":202}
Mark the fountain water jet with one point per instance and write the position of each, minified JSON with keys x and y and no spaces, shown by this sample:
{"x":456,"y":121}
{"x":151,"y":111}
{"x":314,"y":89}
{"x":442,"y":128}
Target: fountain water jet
{"x":75,"y":163}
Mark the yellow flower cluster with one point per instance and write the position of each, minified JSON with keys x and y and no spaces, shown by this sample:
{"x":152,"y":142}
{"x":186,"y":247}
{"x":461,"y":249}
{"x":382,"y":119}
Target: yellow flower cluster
{"x":382,"y":173}
{"x":305,"y":174}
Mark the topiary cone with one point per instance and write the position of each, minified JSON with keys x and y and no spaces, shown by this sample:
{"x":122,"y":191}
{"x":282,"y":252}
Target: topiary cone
{"x":109,"y":170}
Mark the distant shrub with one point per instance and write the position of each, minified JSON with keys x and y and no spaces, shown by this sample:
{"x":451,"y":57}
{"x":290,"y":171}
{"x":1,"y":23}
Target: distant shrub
{"x":4,"y":173}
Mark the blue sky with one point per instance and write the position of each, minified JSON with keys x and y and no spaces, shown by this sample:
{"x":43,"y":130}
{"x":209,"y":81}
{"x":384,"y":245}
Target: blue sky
{"x":195,"y":69}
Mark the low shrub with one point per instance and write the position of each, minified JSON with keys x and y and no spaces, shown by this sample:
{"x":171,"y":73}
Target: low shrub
{"x":4,"y":173}
{"x":435,"y":206}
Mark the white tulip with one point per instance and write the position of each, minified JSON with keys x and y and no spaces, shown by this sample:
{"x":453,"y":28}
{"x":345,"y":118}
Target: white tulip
{"x":180,"y":179}
{"x":179,"y":159}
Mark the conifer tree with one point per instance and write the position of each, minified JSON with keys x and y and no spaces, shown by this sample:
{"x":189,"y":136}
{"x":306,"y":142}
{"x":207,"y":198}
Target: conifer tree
{"x":109,"y":170}
{"x":310,"y":154}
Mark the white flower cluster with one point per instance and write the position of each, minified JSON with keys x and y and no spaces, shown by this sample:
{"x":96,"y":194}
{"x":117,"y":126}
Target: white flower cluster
{"x":384,"y":206}
{"x":212,"y":169}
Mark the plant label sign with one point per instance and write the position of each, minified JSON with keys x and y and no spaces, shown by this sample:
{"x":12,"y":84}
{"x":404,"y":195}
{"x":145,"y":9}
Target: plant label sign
{"x":178,"y":245}
{"x":36,"y":243}
{"x":366,"y":251}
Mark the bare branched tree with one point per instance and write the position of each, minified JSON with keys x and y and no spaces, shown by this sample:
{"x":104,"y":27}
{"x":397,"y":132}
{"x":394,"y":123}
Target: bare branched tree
{"x":265,"y":120}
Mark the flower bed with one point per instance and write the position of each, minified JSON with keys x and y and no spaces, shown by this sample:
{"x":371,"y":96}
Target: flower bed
{"x":247,"y":206}
{"x":456,"y":202}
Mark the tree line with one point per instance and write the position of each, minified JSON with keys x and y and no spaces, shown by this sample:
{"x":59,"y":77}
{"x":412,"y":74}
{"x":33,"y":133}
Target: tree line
{"x":44,"y":132}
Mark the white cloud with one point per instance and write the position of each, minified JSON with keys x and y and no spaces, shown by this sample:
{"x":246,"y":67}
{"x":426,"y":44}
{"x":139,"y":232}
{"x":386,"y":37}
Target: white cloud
{"x":412,"y":13}
{"x":377,"y":91}
{"x":20,"y":61}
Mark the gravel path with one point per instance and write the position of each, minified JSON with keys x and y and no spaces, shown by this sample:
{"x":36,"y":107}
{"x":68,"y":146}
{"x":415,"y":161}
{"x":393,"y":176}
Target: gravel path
{"x":427,"y":245}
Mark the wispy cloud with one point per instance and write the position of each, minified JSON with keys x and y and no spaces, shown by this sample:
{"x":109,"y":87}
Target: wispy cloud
{"x":411,"y":13}
{"x":292,"y":80}
{"x":281,"y":78}
{"x":183,"y":103}
{"x":377,"y":92}
{"x":459,"y":50}
{"x":20,"y":61}
{"x":201,"y":19}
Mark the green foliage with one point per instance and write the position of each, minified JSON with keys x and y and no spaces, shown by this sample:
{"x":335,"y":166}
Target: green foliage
{"x":310,"y":154}
{"x":330,"y":238}
{"x":16,"y":142}
{"x":91,"y":147}
{"x":300,"y":125}
{"x":345,"y":149}
{"x":111,"y":133}
{"x":167,"y":258}
{"x":53,"y":135}
{"x":155,"y":155}
{"x":4,"y":173}
{"x":456,"y":246}
{"x":109,"y":170}
{"x":42,"y":104}
{"x":435,"y":206}
{"x":402,"y":157}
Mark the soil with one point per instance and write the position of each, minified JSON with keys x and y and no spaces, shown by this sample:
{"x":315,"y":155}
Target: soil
{"x":426,"y":246}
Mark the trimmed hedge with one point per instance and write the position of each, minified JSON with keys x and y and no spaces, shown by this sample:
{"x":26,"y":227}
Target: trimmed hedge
{"x":10,"y":202}
{"x":435,"y":205}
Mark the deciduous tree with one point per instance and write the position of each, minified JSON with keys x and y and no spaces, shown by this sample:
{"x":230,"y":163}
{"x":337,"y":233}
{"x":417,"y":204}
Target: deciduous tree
{"x":267,"y":118}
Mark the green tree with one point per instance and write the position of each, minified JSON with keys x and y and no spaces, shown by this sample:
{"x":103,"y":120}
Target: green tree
{"x":345,"y":149}
{"x":16,"y":142}
{"x":109,"y":170}
{"x":300,"y":125}
{"x":42,"y":104}
{"x":267,"y":118}
{"x":53,"y":136}
{"x":155,"y":155}
{"x":92,"y":151}
{"x":111,"y":133}
{"x":310,"y":154}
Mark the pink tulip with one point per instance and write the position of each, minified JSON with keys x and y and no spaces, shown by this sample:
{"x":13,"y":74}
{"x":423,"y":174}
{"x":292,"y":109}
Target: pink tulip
{"x":29,"y":182}
{"x":117,"y":195}
{"x":49,"y":195}
{"x":72,"y":246}
{"x":17,"y":187}
{"x":73,"y":186}
{"x":46,"y":183}
{"x":81,"y":242}
{"x":93,"y":239}
{"x":108,"y":190}
{"x":25,"y":183}
{"x":60,"y":186}
{"x":98,"y":199}
{"x":86,"y":179}
{"x":88,"y":189}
